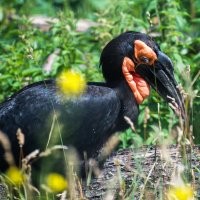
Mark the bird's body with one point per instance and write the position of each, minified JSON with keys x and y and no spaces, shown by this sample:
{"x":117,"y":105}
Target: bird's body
{"x":39,"y":109}
{"x":130,"y":63}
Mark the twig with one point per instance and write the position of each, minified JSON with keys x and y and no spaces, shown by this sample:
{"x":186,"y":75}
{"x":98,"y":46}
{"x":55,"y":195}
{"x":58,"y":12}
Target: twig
{"x":150,"y":172}
{"x":4,"y":141}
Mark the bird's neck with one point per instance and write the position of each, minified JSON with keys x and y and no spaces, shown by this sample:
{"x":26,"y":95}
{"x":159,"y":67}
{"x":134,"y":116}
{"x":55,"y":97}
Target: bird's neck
{"x":129,"y":105}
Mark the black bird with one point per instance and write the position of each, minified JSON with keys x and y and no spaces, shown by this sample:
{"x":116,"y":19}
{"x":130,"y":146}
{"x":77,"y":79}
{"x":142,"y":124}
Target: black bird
{"x":130,"y":63}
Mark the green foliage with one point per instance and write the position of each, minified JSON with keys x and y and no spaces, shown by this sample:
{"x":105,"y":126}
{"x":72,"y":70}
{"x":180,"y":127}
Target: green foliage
{"x":130,"y":139}
{"x":24,"y":48}
{"x":171,"y":24}
{"x":24,"y":53}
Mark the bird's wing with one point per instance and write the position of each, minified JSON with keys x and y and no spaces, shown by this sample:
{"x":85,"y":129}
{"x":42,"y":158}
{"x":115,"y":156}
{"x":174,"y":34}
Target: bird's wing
{"x":47,"y":116}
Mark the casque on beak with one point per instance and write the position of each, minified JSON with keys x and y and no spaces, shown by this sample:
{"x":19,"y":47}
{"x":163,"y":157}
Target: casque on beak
{"x":161,"y":78}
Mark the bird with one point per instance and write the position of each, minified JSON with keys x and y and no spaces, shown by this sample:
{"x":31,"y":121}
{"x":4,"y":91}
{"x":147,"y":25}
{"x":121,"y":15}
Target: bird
{"x":131,"y":64}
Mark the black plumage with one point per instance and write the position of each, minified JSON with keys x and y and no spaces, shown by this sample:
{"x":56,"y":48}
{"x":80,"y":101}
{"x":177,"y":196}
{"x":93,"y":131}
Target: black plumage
{"x":86,"y":122}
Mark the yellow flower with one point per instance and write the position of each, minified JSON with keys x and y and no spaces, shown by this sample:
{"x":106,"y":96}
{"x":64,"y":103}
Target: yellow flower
{"x":184,"y":192}
{"x":56,"y":182}
{"x":15,"y":175}
{"x":71,"y":84}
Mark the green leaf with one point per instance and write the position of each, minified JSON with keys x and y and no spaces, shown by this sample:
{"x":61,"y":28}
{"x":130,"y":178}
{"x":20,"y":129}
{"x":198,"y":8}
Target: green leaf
{"x":31,"y":71}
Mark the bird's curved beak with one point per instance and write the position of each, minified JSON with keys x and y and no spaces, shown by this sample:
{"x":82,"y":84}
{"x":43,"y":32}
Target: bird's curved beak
{"x":161,"y":78}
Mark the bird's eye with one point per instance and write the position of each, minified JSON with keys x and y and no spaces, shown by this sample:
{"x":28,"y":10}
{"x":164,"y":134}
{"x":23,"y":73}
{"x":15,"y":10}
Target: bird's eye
{"x":144,"y":59}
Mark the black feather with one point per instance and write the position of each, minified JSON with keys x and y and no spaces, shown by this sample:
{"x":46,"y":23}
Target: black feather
{"x":86,"y":122}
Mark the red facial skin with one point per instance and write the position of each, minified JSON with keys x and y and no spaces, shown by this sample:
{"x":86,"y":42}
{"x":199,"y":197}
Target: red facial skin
{"x":138,"y":85}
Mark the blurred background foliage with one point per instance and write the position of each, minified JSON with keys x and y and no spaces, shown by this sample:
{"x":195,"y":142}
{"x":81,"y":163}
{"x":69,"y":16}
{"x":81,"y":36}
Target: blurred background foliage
{"x":32,"y":49}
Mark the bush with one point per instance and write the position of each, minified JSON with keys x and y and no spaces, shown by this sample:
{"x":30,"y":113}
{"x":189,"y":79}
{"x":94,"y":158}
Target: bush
{"x":25,"y":48}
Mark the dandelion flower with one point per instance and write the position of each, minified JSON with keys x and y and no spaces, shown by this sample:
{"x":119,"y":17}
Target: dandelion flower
{"x":184,"y":192}
{"x":15,"y":175}
{"x":56,"y":182}
{"x":71,"y":84}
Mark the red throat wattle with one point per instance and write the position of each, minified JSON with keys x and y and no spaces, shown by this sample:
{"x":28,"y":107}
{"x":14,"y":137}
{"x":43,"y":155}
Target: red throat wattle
{"x":138,"y":85}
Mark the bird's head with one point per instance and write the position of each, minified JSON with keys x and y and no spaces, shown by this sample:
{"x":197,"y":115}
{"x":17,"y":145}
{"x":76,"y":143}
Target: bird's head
{"x":136,"y":58}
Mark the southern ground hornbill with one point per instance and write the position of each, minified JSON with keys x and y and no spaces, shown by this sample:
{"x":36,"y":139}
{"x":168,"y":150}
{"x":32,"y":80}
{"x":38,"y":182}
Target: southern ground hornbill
{"x":131,"y":63}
